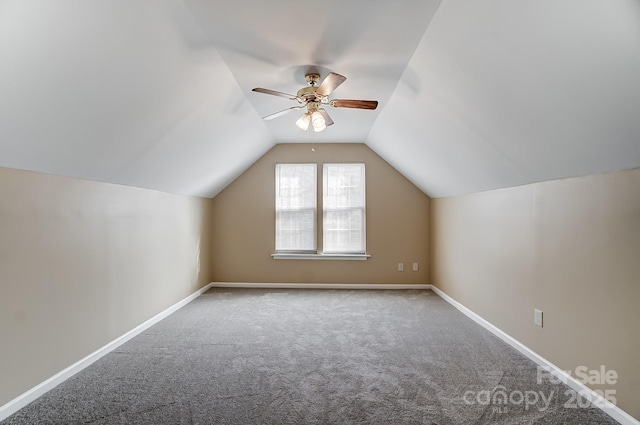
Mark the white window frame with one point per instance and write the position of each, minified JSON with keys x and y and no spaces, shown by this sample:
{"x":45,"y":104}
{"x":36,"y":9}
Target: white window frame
{"x":278,"y":209}
{"x":314,"y":255}
{"x":326,"y":210}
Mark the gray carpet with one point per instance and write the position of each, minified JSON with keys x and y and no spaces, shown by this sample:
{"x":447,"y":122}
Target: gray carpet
{"x":254,"y":356}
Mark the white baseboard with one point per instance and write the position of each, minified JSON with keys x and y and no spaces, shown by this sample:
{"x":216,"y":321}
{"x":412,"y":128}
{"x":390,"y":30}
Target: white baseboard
{"x":610,"y":409}
{"x":23,"y":399}
{"x":321,"y":285}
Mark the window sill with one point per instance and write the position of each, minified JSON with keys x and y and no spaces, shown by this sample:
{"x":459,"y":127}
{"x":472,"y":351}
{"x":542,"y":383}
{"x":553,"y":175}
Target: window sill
{"x":283,"y":256}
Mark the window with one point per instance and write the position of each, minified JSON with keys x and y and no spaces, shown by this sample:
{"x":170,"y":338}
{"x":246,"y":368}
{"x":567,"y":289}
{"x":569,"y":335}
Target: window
{"x":343,"y":226}
{"x":343,"y":211}
{"x":296,"y":207}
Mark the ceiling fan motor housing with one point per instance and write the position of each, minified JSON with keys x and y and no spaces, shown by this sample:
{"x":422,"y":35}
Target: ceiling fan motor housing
{"x":308,"y":93}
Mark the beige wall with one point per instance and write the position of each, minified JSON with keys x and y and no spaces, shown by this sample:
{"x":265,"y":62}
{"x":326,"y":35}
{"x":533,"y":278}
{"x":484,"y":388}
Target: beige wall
{"x":82,"y":262}
{"x":568,"y":247}
{"x":397,"y":224}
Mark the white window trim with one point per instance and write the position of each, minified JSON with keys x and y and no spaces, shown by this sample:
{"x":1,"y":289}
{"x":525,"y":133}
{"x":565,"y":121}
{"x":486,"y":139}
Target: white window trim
{"x":314,"y":250}
{"x":325,"y":209}
{"x":295,"y":256}
{"x":314,"y":255}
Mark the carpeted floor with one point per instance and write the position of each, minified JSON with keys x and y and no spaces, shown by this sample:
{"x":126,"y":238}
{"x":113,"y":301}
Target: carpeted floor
{"x":262,"y":356}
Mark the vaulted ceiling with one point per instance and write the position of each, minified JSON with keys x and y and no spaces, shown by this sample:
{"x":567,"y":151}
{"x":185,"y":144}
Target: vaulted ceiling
{"x":474,"y":95}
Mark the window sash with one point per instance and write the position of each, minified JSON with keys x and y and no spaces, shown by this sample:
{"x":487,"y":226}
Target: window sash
{"x":296,"y":209}
{"x":344,"y":215}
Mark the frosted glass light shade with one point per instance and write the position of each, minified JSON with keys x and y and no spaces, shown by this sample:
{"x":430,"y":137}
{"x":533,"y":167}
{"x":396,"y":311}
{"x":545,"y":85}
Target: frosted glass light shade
{"x":303,"y":121}
{"x":318,"y":122}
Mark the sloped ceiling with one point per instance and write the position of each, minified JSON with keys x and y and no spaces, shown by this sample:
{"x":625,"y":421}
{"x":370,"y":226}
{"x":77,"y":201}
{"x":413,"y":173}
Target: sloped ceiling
{"x":473,"y":95}
{"x":502,"y":93}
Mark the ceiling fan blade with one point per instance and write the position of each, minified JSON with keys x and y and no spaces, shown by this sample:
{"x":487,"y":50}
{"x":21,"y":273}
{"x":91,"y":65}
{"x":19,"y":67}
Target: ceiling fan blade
{"x":281,"y":113}
{"x":327,"y":119}
{"x":330,"y":83}
{"x":358,"y":104}
{"x":275,"y":93}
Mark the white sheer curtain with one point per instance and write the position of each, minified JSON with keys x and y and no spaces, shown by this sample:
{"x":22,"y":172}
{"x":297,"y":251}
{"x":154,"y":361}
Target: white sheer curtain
{"x":343,"y":209}
{"x":296,"y":207}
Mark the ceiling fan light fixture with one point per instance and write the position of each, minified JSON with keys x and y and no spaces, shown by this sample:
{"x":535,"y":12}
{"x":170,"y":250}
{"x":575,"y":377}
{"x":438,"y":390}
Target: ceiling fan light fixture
{"x":303,"y":121}
{"x":313,"y":98}
{"x":318,"y":122}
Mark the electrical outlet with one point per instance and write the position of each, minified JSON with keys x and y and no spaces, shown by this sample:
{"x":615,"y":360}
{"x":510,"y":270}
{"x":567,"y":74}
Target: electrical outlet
{"x":415,"y":267}
{"x":537,"y":317}
{"x":400,"y":267}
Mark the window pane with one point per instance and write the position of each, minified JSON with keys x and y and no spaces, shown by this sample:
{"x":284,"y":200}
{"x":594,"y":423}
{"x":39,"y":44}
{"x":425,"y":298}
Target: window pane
{"x":296,"y":207}
{"x":344,"y":208}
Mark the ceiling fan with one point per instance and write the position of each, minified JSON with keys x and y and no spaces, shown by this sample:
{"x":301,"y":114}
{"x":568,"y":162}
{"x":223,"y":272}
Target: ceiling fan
{"x":314,"y":98}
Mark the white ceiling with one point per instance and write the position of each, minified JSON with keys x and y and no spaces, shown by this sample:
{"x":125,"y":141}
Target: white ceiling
{"x":474,"y":95}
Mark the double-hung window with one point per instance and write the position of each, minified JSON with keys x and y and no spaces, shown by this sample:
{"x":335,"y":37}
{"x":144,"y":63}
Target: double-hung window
{"x":296,"y":208}
{"x":343,"y":223}
{"x":343,"y":209}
